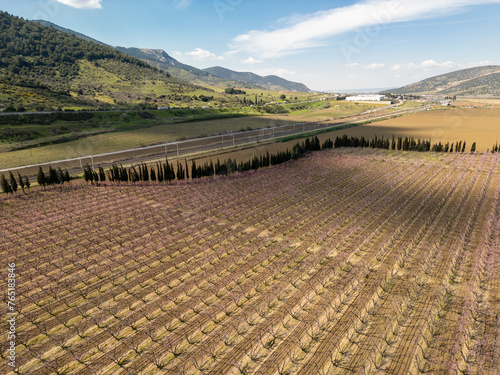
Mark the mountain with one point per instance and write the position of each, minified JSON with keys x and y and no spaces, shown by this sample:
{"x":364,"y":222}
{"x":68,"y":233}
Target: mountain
{"x":162,"y":60}
{"x":271,"y":82}
{"x":44,"y":68}
{"x":216,"y":76}
{"x":479,"y":81}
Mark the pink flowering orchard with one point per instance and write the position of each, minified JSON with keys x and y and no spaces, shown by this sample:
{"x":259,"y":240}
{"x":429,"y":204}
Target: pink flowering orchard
{"x":349,"y":261}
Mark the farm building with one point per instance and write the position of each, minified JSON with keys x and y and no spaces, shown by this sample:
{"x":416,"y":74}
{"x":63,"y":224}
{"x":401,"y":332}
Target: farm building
{"x":365,"y":98}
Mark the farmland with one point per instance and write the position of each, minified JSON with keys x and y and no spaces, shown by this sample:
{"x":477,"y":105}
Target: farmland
{"x":345,"y":261}
{"x":114,"y":131}
{"x":472,"y":125}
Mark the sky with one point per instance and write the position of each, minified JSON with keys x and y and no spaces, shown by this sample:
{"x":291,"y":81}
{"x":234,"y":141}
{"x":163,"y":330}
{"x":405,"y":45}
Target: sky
{"x":327,"y":45}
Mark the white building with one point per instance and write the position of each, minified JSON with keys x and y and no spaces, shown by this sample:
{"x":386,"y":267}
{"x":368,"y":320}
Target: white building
{"x":365,"y":98}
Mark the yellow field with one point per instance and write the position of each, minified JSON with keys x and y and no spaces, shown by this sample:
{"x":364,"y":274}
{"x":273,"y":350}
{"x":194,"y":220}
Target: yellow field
{"x":472,"y":125}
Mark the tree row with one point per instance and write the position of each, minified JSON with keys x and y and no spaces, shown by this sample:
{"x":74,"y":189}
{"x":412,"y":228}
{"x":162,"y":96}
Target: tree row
{"x":406,"y":144}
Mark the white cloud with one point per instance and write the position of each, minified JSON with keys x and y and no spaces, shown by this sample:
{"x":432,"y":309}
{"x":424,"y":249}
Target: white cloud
{"x":313,"y":29}
{"x":176,"y":53}
{"x":251,"y":60}
{"x":201,"y":54}
{"x":82,"y":4}
{"x":350,"y":65}
{"x":375,"y":66}
{"x":434,"y":64}
{"x":182,"y":4}
{"x":277,"y":72}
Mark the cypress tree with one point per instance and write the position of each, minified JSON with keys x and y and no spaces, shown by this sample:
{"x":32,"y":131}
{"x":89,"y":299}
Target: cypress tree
{"x":193,"y":170}
{"x":40,"y":177}
{"x":125,"y":174}
{"x":53,"y":177}
{"x":5,"y":185}
{"x":186,"y":168}
{"x":60,"y":176}
{"x":102,"y":175}
{"x":66,"y":176}
{"x":88,"y":174}
{"x":21,"y":181}
{"x":13,"y":183}
{"x":153,"y":174}
{"x":180,"y":172}
{"x":166,"y":172}
{"x":145,"y":173}
{"x":473,"y":147}
{"x":211,"y":170}
{"x":463,"y":147}
{"x":134,"y":177}
{"x":27,"y":182}
{"x":160,"y":172}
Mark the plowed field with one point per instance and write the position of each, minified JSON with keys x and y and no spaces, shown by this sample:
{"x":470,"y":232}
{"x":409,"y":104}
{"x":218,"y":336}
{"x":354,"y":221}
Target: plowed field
{"x":343,"y":262}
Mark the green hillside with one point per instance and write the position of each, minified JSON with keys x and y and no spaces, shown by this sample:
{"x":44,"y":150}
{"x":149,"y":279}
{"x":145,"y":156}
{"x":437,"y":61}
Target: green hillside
{"x":42,"y":68}
{"x":479,"y":81}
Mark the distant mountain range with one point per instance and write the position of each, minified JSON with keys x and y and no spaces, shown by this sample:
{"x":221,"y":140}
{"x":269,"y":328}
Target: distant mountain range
{"x":271,"y":82}
{"x":479,"y":81}
{"x":216,"y":76}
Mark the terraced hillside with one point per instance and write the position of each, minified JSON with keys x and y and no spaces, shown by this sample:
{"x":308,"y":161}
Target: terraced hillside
{"x":344,"y":261}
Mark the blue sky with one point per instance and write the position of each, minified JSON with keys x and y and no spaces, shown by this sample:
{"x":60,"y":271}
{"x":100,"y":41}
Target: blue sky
{"x":328,"y":45}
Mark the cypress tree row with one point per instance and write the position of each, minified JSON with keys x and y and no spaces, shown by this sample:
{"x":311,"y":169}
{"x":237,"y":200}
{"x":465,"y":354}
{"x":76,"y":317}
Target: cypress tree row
{"x":406,"y":144}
